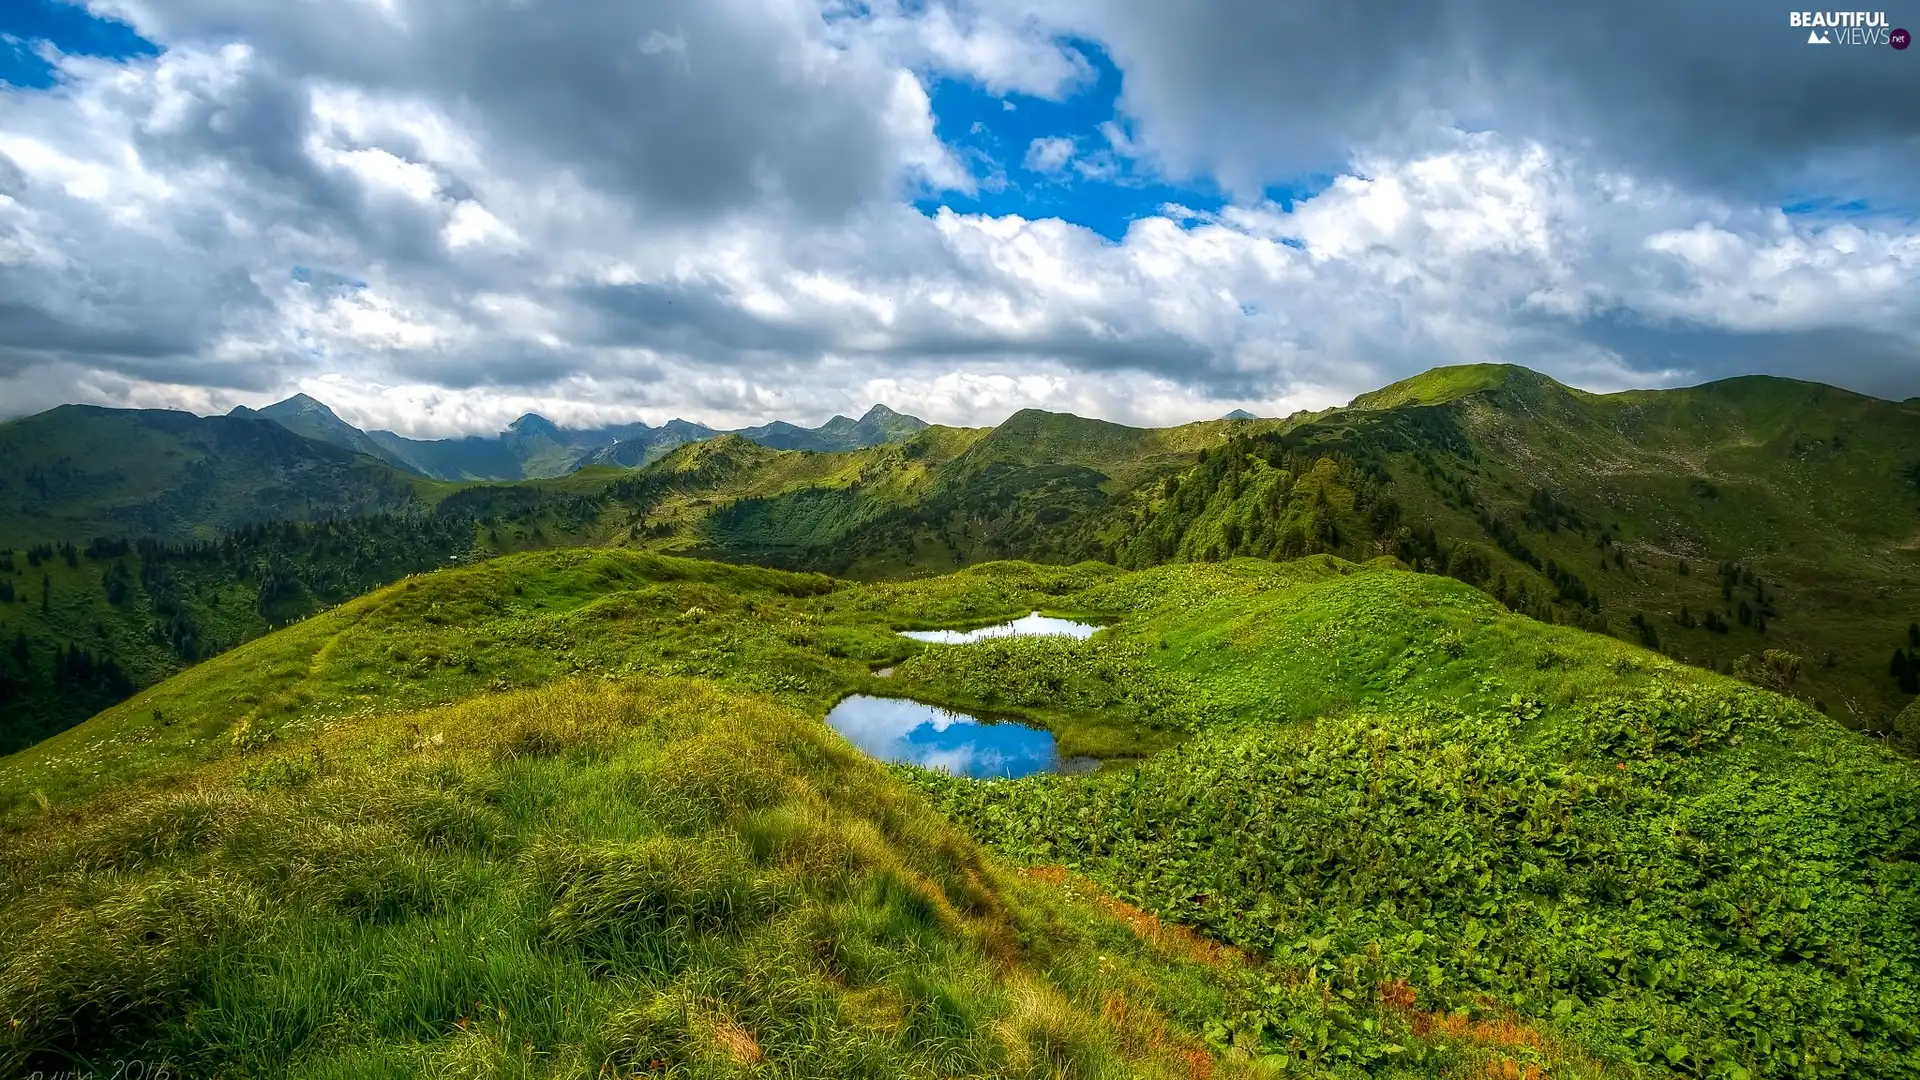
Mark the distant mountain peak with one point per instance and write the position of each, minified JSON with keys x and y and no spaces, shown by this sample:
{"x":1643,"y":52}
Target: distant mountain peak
{"x":297,"y":405}
{"x":534,"y":446}
{"x":1240,"y":414}
{"x":533,"y":424}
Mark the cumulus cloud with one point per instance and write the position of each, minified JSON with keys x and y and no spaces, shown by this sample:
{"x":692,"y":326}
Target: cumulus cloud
{"x":1049,"y":154}
{"x":1719,"y":93}
{"x":995,"y":44}
{"x":730,"y":210}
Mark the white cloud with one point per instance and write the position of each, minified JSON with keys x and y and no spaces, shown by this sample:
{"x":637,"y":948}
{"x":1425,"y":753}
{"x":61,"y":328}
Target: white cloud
{"x":1779,"y":278}
{"x":152,"y":215}
{"x":1003,"y":48}
{"x":1049,"y":155}
{"x":909,"y":118}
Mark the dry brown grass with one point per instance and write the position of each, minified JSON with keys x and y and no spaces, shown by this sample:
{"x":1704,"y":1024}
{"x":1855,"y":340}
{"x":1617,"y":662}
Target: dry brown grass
{"x":1500,"y":1033}
{"x":1499,"y":1036}
{"x":737,"y":1042}
{"x":1144,"y":1032}
{"x":1167,"y":938}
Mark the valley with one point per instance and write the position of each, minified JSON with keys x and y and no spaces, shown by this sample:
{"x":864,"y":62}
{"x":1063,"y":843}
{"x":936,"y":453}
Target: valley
{"x":1483,"y":727}
{"x":1717,"y":524}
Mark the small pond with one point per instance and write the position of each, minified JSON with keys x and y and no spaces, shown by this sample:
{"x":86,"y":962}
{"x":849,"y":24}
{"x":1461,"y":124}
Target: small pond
{"x":915,"y":733}
{"x":1034,"y":625}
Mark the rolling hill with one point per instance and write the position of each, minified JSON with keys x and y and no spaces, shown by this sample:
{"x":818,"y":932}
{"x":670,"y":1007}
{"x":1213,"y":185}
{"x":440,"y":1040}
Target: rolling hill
{"x":576,"y":811}
{"x":1031,"y":487}
{"x":1715,"y":522}
{"x":1718,"y":524}
{"x":83,"y":625}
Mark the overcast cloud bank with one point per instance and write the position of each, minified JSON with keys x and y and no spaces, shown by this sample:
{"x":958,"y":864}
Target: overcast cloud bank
{"x":436,"y":216}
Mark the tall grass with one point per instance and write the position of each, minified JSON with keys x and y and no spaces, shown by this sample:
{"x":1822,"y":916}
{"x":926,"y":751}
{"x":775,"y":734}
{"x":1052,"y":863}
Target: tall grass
{"x":655,"y":878}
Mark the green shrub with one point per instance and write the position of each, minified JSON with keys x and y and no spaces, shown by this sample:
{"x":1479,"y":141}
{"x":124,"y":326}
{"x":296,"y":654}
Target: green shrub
{"x":1053,"y":673}
{"x":1709,"y":880}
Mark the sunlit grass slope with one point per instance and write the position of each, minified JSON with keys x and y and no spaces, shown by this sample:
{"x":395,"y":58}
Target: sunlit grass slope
{"x":1713,"y":522}
{"x":1398,"y":784}
{"x":576,"y":813}
{"x":281,"y":864}
{"x":654,"y":879}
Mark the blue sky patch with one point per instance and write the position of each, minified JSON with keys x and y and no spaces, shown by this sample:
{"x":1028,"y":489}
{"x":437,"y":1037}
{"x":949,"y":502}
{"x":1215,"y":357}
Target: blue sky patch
{"x":1084,"y":179}
{"x":71,"y":29}
{"x":1826,"y":206}
{"x":1068,"y":159}
{"x":326,"y":279}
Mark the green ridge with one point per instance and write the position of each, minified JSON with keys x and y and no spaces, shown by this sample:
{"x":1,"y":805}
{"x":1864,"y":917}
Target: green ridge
{"x":1807,"y":497}
{"x":567,"y":811}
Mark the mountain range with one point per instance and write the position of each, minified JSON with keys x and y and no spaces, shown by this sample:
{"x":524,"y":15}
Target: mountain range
{"x":534,"y":447}
{"x":1714,"y":523}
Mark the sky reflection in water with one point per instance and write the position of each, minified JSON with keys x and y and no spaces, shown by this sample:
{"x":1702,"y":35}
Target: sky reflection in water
{"x":1034,"y":625}
{"x":896,"y":729}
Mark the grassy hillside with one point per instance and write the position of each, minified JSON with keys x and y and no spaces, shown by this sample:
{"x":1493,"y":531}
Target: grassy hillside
{"x":1403,"y":792}
{"x":1716,"y":523}
{"x":1442,"y":385}
{"x":574,"y":811}
{"x":1030,"y":488}
{"x":642,"y":874}
{"x":1719,"y":524}
{"x":85,"y":624}
{"x":657,"y":878}
{"x":77,"y":472}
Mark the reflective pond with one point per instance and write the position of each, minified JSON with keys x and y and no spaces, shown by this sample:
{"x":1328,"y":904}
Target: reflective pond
{"x":1034,"y":625}
{"x":915,"y":733}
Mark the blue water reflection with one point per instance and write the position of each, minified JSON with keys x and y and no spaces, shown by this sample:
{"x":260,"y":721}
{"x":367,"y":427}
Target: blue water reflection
{"x":1034,"y":625}
{"x":897,"y":729}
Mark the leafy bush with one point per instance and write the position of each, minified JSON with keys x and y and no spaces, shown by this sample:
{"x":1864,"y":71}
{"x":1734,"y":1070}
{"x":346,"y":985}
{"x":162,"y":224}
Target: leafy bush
{"x":1057,"y":673}
{"x":1708,"y":882}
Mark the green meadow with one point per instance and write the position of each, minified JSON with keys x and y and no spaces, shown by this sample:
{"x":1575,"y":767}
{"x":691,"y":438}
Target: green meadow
{"x":577,"y":813}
